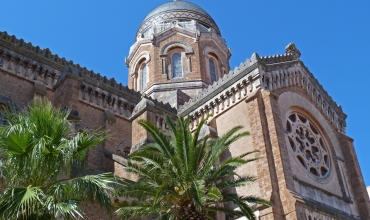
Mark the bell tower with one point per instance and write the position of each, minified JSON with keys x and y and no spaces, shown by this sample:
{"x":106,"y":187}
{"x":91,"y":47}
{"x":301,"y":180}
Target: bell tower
{"x":178,"y":51}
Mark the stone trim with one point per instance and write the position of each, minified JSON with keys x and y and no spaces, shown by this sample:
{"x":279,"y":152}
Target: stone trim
{"x":148,"y":103}
{"x":178,"y":14}
{"x":143,"y":55}
{"x":27,"y":68}
{"x":176,"y":43}
{"x":241,"y":90}
{"x":208,"y":49}
{"x":97,"y":97}
{"x":101,"y":83}
{"x":169,"y":86}
{"x":347,"y":200}
{"x":323,"y":208}
{"x":116,"y":158}
{"x":295,"y":75}
{"x":40,"y":65}
{"x":242,"y":78}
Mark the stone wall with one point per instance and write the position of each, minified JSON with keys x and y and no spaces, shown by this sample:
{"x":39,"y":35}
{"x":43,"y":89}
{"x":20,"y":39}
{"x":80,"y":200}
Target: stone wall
{"x":238,"y":117}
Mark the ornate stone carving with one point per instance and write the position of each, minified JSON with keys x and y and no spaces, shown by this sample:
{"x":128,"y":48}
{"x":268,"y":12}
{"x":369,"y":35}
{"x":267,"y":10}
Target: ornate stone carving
{"x":307,"y":145}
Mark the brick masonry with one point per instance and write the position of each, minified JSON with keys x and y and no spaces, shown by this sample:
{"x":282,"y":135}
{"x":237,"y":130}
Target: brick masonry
{"x":259,"y":95}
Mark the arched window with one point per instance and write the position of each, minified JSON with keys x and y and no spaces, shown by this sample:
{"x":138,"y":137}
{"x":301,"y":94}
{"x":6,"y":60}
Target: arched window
{"x":212,"y":71}
{"x":176,"y":65}
{"x":144,"y":73}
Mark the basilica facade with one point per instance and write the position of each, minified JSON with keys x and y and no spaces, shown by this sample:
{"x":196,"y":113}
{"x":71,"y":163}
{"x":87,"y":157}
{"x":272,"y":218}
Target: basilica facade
{"x":179,"y":66}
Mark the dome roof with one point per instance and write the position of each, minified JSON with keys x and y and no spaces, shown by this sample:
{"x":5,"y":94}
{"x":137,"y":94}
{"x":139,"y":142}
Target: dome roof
{"x":177,"y":6}
{"x":178,"y":10}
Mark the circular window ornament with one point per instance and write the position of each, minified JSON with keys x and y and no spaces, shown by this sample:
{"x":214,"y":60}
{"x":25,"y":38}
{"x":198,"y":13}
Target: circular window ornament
{"x":307,"y":145}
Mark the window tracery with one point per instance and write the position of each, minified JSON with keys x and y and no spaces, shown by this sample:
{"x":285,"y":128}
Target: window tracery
{"x":176,"y":65}
{"x":307,"y":145}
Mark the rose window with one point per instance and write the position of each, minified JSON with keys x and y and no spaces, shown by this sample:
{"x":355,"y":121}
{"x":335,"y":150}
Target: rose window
{"x":307,"y":145}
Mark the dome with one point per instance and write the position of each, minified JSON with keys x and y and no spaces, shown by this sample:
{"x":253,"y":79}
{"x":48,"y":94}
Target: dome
{"x":177,"y":6}
{"x":178,"y":10}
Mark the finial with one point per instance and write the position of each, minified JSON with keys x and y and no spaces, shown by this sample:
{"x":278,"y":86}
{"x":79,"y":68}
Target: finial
{"x":291,"y":49}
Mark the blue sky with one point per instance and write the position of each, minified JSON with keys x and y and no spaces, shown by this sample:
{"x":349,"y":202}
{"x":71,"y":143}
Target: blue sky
{"x":333,"y":37}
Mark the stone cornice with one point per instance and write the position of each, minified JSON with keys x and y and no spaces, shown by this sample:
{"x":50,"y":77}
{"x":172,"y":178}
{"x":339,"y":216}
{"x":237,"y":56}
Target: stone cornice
{"x":274,"y":72}
{"x":218,"y":87}
{"x":195,"y":32}
{"x":278,"y":75}
{"x":149,"y":104}
{"x":101,"y":82}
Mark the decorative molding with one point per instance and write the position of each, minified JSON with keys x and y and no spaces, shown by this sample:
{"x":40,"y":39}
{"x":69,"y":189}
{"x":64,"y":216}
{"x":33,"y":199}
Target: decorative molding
{"x":234,"y":86}
{"x":148,"y":103}
{"x":143,"y":55}
{"x":178,"y":15}
{"x":176,"y":43}
{"x":27,"y":68}
{"x":347,"y":200}
{"x":296,"y":75}
{"x":95,"y":96}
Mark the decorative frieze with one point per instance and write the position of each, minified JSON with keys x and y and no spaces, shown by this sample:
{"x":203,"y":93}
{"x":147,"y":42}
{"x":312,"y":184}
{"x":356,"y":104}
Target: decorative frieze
{"x":296,"y":75}
{"x":239,"y":84}
{"x":27,"y":68}
{"x":104,"y":100}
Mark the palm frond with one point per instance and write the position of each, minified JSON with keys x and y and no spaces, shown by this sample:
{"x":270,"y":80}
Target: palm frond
{"x":20,"y":202}
{"x":198,"y":190}
{"x":242,"y":181}
{"x":181,"y":174}
{"x":244,"y":208}
{"x":39,"y":148}
{"x":158,"y":136}
{"x":134,"y":209}
{"x":93,"y":188}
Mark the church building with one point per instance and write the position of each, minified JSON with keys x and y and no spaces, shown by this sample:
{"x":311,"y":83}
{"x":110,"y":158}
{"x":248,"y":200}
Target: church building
{"x":179,"y":66}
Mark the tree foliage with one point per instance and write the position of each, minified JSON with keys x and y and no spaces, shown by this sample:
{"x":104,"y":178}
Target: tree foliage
{"x":182,"y":177}
{"x":39,"y":148}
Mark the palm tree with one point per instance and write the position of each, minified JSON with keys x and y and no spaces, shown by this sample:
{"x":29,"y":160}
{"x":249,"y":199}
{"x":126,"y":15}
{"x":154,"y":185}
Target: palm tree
{"x":182,"y":177}
{"x":38,"y":150}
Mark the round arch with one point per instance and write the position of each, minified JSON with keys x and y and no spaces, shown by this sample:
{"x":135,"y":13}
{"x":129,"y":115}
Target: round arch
{"x":168,"y":46}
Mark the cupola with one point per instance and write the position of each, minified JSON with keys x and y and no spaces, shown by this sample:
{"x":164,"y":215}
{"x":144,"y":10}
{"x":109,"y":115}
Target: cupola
{"x":178,"y":49}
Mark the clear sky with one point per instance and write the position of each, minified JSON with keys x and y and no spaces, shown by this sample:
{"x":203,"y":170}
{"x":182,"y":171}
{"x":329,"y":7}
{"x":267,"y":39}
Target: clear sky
{"x":333,"y":37}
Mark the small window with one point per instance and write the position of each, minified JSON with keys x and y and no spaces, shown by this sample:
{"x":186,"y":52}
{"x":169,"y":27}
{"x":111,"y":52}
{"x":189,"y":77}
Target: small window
{"x":212,"y":71}
{"x":176,"y":65}
{"x":144,"y":73}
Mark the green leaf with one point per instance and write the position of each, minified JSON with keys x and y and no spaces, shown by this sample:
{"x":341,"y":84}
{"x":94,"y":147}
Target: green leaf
{"x":213,"y":194}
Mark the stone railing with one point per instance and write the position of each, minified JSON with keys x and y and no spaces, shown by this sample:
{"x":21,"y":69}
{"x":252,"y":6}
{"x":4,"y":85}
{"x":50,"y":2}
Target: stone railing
{"x":298,"y":75}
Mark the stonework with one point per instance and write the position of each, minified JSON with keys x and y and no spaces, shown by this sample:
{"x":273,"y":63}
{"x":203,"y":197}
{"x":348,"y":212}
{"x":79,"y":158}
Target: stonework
{"x":308,"y":166}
